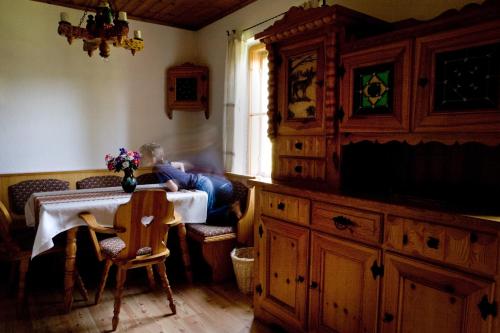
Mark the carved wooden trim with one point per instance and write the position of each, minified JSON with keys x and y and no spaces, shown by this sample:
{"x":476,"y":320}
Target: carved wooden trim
{"x":298,"y":21}
{"x":489,"y":139}
{"x":468,"y":15}
{"x":272,"y":112}
{"x":330,"y":88}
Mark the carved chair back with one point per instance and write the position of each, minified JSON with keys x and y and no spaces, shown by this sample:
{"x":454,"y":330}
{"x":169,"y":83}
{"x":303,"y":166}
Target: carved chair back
{"x":144,"y":219}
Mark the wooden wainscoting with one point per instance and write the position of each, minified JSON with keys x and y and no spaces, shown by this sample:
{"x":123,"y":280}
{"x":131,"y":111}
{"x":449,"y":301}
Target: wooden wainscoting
{"x":71,"y":176}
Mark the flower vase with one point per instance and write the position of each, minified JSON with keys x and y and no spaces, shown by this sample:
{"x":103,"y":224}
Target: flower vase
{"x":129,"y":182}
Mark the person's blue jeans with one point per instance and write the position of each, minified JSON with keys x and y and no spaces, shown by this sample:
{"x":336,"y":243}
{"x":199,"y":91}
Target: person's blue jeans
{"x":206,"y":185}
{"x":220,"y":192}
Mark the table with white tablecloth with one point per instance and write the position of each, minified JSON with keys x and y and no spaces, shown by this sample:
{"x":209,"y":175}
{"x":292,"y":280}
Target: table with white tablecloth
{"x":56,"y":212}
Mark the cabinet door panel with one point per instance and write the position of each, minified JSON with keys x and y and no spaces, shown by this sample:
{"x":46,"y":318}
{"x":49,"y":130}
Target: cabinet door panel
{"x":301,"y":92}
{"x":456,"y":87}
{"x":344,"y":292}
{"x":420,"y":297}
{"x":375,"y":91}
{"x":285,"y":251}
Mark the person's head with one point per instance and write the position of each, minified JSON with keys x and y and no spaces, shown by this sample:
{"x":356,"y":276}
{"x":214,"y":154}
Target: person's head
{"x":152,"y":153}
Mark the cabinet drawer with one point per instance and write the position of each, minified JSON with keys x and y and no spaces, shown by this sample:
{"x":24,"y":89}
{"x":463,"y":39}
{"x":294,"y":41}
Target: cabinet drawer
{"x":347,"y":222}
{"x":302,"y":168}
{"x":285,"y":207}
{"x":303,"y":146}
{"x":468,"y":249}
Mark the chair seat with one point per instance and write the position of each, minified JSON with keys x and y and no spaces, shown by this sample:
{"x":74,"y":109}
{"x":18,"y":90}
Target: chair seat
{"x":205,"y":230}
{"x":114,"y":245}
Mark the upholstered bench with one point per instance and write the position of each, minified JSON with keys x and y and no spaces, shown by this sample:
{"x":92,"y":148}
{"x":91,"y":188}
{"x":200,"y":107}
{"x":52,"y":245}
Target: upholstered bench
{"x":217,"y":241}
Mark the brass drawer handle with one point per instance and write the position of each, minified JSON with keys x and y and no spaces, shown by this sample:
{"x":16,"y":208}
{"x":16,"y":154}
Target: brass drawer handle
{"x":342,"y":223}
{"x":281,"y":206}
{"x":433,"y":243}
{"x":298,"y":145}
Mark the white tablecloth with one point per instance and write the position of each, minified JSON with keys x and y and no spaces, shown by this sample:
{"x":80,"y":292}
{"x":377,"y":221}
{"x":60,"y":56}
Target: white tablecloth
{"x":61,"y":215}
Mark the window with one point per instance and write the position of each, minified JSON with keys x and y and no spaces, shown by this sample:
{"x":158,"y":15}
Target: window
{"x":259,"y":145}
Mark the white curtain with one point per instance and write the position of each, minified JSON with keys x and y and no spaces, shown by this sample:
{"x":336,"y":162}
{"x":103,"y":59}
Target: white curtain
{"x":236,"y":98}
{"x":232,"y":60}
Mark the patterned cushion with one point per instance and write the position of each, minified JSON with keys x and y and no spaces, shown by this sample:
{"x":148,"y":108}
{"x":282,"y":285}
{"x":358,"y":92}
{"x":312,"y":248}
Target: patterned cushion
{"x":20,"y":192}
{"x":114,"y":245}
{"x":206,"y":230}
{"x":147,"y":178}
{"x":98,"y":181}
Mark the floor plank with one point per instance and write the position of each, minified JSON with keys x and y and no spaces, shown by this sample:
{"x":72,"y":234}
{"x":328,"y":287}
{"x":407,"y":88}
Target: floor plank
{"x":200,"y":308}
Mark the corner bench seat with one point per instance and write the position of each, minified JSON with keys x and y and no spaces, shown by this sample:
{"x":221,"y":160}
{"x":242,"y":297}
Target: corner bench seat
{"x":217,"y":241}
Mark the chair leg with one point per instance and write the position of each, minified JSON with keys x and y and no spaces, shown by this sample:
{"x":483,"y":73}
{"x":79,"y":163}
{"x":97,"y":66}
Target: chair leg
{"x":81,"y":286}
{"x":151,"y":277}
{"x":121,"y":276}
{"x":164,"y":280}
{"x":23,"y":269}
{"x":102,"y":284}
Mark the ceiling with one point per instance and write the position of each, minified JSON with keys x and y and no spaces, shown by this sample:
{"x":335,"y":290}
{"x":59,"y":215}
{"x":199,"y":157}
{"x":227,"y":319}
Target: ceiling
{"x":186,"y":14}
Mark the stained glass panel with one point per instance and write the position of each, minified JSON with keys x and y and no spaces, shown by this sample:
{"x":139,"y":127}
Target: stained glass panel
{"x":373,"y":90}
{"x":467,"y":79}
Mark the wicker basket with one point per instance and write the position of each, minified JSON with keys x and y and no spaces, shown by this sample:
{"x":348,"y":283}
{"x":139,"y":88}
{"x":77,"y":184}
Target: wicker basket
{"x":243,"y":268}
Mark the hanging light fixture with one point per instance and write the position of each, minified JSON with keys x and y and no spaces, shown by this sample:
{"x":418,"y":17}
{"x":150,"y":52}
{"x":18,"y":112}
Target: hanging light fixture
{"x":106,"y":28}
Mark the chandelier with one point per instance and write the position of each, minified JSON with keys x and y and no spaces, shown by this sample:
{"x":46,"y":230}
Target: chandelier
{"x":101,"y":31}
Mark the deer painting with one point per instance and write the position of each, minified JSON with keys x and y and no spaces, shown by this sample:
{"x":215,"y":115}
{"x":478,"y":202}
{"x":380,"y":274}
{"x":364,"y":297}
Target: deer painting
{"x":299,"y":86}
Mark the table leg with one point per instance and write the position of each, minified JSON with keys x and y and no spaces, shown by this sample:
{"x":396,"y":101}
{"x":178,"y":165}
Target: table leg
{"x":181,"y":232}
{"x":69,"y":268}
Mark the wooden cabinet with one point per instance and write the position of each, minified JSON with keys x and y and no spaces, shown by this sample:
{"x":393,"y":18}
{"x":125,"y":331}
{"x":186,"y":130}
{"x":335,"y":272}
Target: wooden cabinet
{"x":420,"y":297}
{"x":375,"y":89}
{"x":329,"y":263}
{"x":457,"y":80}
{"x":383,"y":137}
{"x":344,"y":292}
{"x":284,"y":257}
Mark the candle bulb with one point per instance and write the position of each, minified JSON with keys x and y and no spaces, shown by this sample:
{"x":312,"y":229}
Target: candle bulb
{"x":122,"y":16}
{"x":64,"y":17}
{"x":137,"y":34}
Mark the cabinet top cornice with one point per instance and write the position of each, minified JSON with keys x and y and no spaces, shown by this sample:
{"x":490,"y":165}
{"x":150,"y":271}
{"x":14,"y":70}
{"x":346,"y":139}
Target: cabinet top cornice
{"x":298,"y":20}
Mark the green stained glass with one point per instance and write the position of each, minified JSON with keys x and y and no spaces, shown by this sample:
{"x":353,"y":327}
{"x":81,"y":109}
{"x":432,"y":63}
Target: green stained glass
{"x":373,"y":90}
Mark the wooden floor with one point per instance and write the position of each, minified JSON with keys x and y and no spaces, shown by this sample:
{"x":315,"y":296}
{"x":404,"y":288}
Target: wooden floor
{"x":200,"y":308}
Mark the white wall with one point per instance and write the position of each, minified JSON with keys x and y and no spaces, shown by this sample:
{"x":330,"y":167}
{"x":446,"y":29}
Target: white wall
{"x":212,"y":40}
{"x":61,"y":110}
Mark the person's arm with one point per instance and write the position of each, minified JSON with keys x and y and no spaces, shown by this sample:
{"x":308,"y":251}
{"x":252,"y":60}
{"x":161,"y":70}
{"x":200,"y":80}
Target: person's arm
{"x":171,"y":186}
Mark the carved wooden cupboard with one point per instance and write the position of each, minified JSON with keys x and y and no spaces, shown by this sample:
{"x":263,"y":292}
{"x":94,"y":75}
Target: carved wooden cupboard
{"x":382,"y":214}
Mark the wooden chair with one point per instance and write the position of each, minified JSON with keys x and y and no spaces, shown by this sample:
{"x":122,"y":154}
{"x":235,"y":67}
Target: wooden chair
{"x":17,"y":246}
{"x":217,"y":242}
{"x":98,"y":182}
{"x":142,"y":227}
